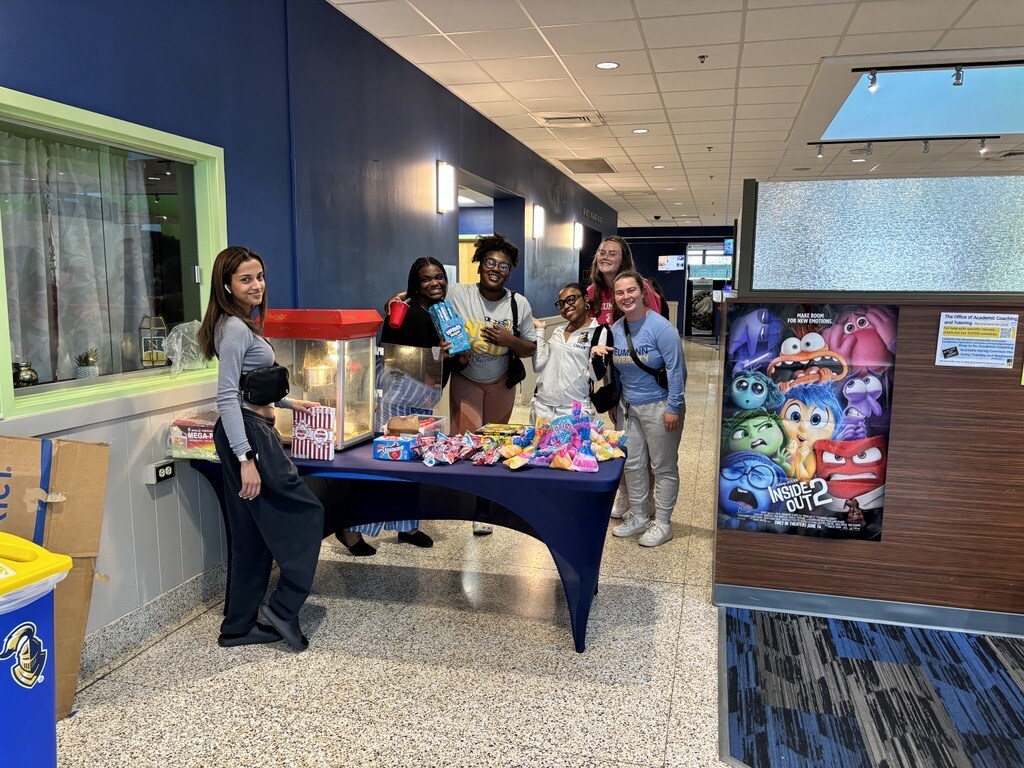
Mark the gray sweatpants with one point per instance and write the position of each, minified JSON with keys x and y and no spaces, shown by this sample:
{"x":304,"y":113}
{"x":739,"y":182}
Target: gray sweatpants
{"x":648,"y":440}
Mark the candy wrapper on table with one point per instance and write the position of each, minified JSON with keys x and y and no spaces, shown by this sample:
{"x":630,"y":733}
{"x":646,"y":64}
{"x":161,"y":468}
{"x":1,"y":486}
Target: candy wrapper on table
{"x":395,"y":447}
{"x":313,"y":433}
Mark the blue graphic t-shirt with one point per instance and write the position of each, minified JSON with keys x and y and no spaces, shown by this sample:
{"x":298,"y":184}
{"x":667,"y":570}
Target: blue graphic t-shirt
{"x":656,"y":342}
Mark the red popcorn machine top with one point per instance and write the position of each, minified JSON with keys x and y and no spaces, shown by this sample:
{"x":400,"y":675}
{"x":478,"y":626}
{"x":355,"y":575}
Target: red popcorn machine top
{"x":330,"y":356}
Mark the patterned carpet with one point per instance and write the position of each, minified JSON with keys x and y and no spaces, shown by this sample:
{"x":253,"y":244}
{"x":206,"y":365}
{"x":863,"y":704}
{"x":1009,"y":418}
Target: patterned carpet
{"x":807,"y":691}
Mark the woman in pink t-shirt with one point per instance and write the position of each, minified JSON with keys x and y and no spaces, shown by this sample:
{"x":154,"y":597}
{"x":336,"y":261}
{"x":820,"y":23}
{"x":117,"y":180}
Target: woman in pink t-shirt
{"x":613,"y":256}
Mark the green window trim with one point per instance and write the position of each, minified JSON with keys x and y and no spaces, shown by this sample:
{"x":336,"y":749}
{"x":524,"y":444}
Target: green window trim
{"x":211,"y":233}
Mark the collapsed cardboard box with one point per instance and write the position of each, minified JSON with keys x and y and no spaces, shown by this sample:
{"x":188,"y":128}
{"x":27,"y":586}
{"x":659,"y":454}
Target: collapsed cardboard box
{"x":56,"y":491}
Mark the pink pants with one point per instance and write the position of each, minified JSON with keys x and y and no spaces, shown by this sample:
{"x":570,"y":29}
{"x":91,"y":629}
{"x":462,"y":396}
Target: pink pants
{"x":473,"y":404}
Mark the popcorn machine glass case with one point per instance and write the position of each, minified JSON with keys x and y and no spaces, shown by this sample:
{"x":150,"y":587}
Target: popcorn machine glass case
{"x":329,"y":354}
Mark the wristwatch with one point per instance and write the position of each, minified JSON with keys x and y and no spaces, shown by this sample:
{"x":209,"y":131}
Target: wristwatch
{"x":247,"y":456}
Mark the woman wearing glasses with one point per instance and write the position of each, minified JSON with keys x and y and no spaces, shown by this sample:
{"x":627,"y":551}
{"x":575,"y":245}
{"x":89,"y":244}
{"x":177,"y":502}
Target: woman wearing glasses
{"x":613,"y":257}
{"x":563,"y":361}
{"x":479,"y":393}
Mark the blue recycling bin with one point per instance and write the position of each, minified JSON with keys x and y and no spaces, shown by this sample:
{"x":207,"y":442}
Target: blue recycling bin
{"x":28,"y":693}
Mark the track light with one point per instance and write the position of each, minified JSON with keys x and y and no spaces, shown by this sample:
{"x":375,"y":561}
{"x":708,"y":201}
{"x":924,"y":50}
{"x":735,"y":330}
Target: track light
{"x":982,"y":149}
{"x":821,"y":152}
{"x":926,"y":148}
{"x":958,"y":76}
{"x":868,"y":149}
{"x":872,"y":81}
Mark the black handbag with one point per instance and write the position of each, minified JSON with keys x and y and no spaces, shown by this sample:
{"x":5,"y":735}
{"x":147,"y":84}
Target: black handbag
{"x":660,"y":375}
{"x":263,"y":386}
{"x":606,"y":396}
{"x":516,"y":370}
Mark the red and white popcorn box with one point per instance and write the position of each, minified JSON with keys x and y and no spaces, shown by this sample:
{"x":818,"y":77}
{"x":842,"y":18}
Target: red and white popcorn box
{"x":313,"y":434}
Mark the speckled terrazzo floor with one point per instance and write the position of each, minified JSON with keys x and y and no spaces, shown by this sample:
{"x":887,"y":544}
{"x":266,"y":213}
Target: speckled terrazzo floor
{"x":460,"y":655}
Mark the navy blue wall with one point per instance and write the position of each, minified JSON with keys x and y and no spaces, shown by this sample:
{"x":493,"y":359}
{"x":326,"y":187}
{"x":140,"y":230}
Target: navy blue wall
{"x":476,"y":221}
{"x":272,"y":79}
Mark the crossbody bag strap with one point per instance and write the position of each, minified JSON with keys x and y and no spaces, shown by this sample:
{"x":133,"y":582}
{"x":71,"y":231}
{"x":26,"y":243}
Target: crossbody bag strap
{"x":632,"y":353}
{"x":515,"y":320}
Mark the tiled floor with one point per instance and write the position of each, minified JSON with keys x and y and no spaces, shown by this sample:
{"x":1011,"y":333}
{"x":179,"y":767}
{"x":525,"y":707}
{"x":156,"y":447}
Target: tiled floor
{"x":460,"y":655}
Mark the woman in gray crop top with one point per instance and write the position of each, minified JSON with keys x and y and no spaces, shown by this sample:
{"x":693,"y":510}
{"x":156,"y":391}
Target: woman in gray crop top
{"x":271,"y":514}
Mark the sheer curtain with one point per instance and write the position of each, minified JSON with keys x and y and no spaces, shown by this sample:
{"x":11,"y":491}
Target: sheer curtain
{"x":77,"y":263}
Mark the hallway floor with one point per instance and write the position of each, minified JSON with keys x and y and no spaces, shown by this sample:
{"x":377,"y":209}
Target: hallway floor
{"x":459,"y":655}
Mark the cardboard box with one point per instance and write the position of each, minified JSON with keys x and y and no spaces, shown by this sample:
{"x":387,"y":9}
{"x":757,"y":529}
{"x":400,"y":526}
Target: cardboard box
{"x":52,"y":492}
{"x":394,"y":448}
{"x":313,"y":434}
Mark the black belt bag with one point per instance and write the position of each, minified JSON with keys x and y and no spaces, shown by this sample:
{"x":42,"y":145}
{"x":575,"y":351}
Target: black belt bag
{"x":264,"y":386}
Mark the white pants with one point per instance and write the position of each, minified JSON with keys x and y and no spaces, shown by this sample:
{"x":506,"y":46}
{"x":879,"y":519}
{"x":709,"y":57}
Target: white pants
{"x":648,"y":440}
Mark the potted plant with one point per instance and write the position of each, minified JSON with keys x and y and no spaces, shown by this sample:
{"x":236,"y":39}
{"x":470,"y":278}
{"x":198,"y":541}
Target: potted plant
{"x":88,"y":364}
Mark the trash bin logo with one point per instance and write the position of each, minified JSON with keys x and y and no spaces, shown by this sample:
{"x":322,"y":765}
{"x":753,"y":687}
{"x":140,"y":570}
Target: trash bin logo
{"x":28,"y":653}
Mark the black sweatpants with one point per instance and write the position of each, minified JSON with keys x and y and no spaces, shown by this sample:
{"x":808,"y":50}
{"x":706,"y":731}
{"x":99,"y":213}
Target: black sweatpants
{"x":284,"y":523}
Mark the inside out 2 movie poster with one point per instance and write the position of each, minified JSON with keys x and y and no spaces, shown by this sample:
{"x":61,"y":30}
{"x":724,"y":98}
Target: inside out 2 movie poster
{"x":805,"y":419}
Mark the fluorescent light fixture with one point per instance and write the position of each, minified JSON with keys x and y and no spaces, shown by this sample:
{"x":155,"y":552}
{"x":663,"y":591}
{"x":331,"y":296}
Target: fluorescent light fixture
{"x":538,"y":222}
{"x":640,"y":130}
{"x":657,"y":167}
{"x":859,"y":160}
{"x":445,"y":187}
{"x":607,"y":65}
{"x":577,"y":236}
{"x":463,"y":200}
{"x":872,"y":81}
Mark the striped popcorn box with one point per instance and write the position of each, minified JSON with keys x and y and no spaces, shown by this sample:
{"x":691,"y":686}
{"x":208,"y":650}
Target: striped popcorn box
{"x":313,"y":434}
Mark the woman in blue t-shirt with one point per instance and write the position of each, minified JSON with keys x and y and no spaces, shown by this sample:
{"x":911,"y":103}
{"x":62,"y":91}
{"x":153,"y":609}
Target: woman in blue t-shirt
{"x":648,"y":358}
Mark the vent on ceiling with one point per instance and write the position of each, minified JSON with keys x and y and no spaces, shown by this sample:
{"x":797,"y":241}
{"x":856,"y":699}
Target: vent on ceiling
{"x":587,"y":165}
{"x":1008,"y":155}
{"x":568,"y":119}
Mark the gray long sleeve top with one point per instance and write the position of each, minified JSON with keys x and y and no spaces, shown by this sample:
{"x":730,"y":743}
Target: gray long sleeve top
{"x":239,"y":351}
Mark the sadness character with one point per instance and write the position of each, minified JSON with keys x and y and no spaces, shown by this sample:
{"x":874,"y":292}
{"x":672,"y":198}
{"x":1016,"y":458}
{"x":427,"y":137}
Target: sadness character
{"x":743,"y":489}
{"x":758,"y":431}
{"x":752,"y":389}
{"x":811,"y":413}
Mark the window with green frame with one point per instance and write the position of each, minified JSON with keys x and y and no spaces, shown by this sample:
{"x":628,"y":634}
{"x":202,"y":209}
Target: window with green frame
{"x":105,"y":230}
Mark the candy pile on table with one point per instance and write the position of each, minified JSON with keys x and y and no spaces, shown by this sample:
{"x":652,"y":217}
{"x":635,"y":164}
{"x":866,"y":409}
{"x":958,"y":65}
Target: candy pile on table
{"x":569,"y":442}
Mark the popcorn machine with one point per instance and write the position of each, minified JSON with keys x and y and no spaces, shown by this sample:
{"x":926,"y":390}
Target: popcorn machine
{"x":330,"y":356}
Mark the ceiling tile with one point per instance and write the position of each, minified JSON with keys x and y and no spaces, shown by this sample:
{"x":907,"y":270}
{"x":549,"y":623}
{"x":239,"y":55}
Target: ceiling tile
{"x":524,"y":68}
{"x":472,"y":15}
{"x":888,"y":42}
{"x":649,"y":8}
{"x":630,"y":102}
{"x":905,"y":16}
{"x":532,"y":134}
{"x":697,"y":80}
{"x":602,"y":36}
{"x":585,"y":64}
{"x":562,"y":104}
{"x":426,"y":49}
{"x":511,"y":122}
{"x":771,"y":94}
{"x":640,"y":118}
{"x":545,"y":12}
{"x":480,"y":92}
{"x":758,"y":77}
{"x":500,"y":108}
{"x":768,"y":124}
{"x":786,"y":23}
{"x":614,"y":86}
{"x":984,"y":37}
{"x":994,"y":13}
{"x":392,"y":18}
{"x":677,"y":31}
{"x":514,"y":43}
{"x":702,"y":126}
{"x":456,"y":73}
{"x":766,"y":110}
{"x":807,"y":50}
{"x":691,"y":114}
{"x":682,"y":59}
{"x":710,"y":98}
{"x":542,"y":89}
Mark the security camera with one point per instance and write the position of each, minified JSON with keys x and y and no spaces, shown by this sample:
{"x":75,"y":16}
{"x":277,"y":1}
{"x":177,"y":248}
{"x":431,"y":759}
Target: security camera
{"x":657,"y":218}
{"x":702,"y":58}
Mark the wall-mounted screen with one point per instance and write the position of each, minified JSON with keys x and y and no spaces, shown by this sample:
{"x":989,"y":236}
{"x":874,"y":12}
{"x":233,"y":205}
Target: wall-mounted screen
{"x":729,"y":246}
{"x":671,"y":263}
{"x":908,"y":235}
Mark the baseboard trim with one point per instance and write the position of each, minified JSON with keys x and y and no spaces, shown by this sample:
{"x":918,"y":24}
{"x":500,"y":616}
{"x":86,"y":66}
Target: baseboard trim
{"x":862,"y":609}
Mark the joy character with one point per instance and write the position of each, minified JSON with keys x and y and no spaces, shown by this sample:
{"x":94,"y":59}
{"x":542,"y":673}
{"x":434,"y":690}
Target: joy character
{"x":743,"y":489}
{"x":806,"y":359}
{"x":811,"y":413}
{"x":753,"y":389}
{"x":757,"y":430}
{"x":855,"y":473}
{"x":866,"y":337}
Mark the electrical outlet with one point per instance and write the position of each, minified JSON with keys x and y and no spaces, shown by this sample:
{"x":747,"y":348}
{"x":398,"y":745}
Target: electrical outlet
{"x":160,"y":472}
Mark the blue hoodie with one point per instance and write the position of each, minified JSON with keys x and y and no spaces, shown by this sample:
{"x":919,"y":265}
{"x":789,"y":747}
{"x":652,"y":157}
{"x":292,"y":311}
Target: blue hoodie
{"x":656,"y":342}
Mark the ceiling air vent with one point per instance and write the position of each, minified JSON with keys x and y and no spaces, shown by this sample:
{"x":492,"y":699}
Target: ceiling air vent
{"x":1008,"y":155}
{"x":587,"y":165}
{"x":567,"y":119}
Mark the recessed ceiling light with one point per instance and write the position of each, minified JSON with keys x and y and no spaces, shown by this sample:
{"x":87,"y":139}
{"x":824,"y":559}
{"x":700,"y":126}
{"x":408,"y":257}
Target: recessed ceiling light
{"x":859,"y":160}
{"x":670,"y":189}
{"x":607,"y":65}
{"x":676,"y":203}
{"x":640,"y":130}
{"x":657,"y":167}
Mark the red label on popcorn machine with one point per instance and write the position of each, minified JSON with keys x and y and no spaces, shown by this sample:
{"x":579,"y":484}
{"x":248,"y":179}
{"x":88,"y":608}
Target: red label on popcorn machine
{"x":313,"y":434}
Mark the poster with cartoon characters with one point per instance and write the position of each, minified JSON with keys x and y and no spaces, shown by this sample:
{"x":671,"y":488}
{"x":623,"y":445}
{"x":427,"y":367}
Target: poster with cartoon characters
{"x":805,"y":419}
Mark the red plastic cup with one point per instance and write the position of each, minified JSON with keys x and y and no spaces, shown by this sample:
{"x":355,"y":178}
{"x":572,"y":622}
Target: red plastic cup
{"x":397,"y":310}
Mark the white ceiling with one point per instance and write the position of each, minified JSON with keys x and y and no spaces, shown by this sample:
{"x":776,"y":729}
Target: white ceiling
{"x":775,"y":74}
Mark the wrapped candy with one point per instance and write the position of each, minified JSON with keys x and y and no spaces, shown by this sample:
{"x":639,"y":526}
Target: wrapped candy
{"x":516,"y":462}
{"x":508,"y":450}
{"x":561,"y":460}
{"x":584,"y":460}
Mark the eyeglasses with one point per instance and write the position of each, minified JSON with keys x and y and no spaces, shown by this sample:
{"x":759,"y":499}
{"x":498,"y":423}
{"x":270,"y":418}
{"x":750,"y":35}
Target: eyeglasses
{"x":502,"y":266}
{"x":760,"y":477}
{"x":568,"y":300}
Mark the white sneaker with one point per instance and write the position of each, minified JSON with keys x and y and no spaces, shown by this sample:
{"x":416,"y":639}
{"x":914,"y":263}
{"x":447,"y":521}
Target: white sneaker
{"x":657,"y":533}
{"x":482,"y":529}
{"x":620,"y":512}
{"x":631,"y":526}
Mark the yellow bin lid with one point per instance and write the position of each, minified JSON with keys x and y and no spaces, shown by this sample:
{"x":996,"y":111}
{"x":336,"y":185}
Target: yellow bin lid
{"x":23,"y":563}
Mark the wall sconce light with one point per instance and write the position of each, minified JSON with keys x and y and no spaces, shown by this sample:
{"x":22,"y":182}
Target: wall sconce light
{"x":538,"y":222}
{"x":445,"y":187}
{"x":577,"y":236}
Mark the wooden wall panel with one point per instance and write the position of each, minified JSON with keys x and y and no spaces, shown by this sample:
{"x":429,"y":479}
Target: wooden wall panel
{"x":954,"y":506}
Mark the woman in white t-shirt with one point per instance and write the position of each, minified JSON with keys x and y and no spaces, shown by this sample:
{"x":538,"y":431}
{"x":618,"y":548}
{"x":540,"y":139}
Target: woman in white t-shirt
{"x":563,"y":362}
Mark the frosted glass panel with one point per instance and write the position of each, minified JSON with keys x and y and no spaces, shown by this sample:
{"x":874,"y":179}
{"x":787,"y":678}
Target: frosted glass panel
{"x":962,"y":234}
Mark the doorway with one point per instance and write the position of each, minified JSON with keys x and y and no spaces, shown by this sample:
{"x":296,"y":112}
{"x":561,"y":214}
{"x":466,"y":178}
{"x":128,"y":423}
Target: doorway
{"x":591,"y":242}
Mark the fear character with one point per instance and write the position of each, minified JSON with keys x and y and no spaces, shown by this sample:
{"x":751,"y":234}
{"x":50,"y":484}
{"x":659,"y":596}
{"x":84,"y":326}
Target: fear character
{"x":743,"y":485}
{"x":862,"y":401}
{"x":855,"y":473}
{"x":806,"y":359}
{"x":758,"y":431}
{"x":753,"y":339}
{"x":866,"y":337}
{"x":811,"y":413}
{"x":752,"y":389}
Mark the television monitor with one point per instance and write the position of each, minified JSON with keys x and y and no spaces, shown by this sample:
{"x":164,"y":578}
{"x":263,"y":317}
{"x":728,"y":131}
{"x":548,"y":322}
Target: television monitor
{"x":671,"y":263}
{"x":729,"y":246}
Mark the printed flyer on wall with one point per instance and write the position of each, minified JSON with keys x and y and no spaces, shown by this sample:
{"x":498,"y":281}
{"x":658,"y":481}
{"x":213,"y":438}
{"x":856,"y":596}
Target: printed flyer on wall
{"x":805,"y":419}
{"x":972,"y":340}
